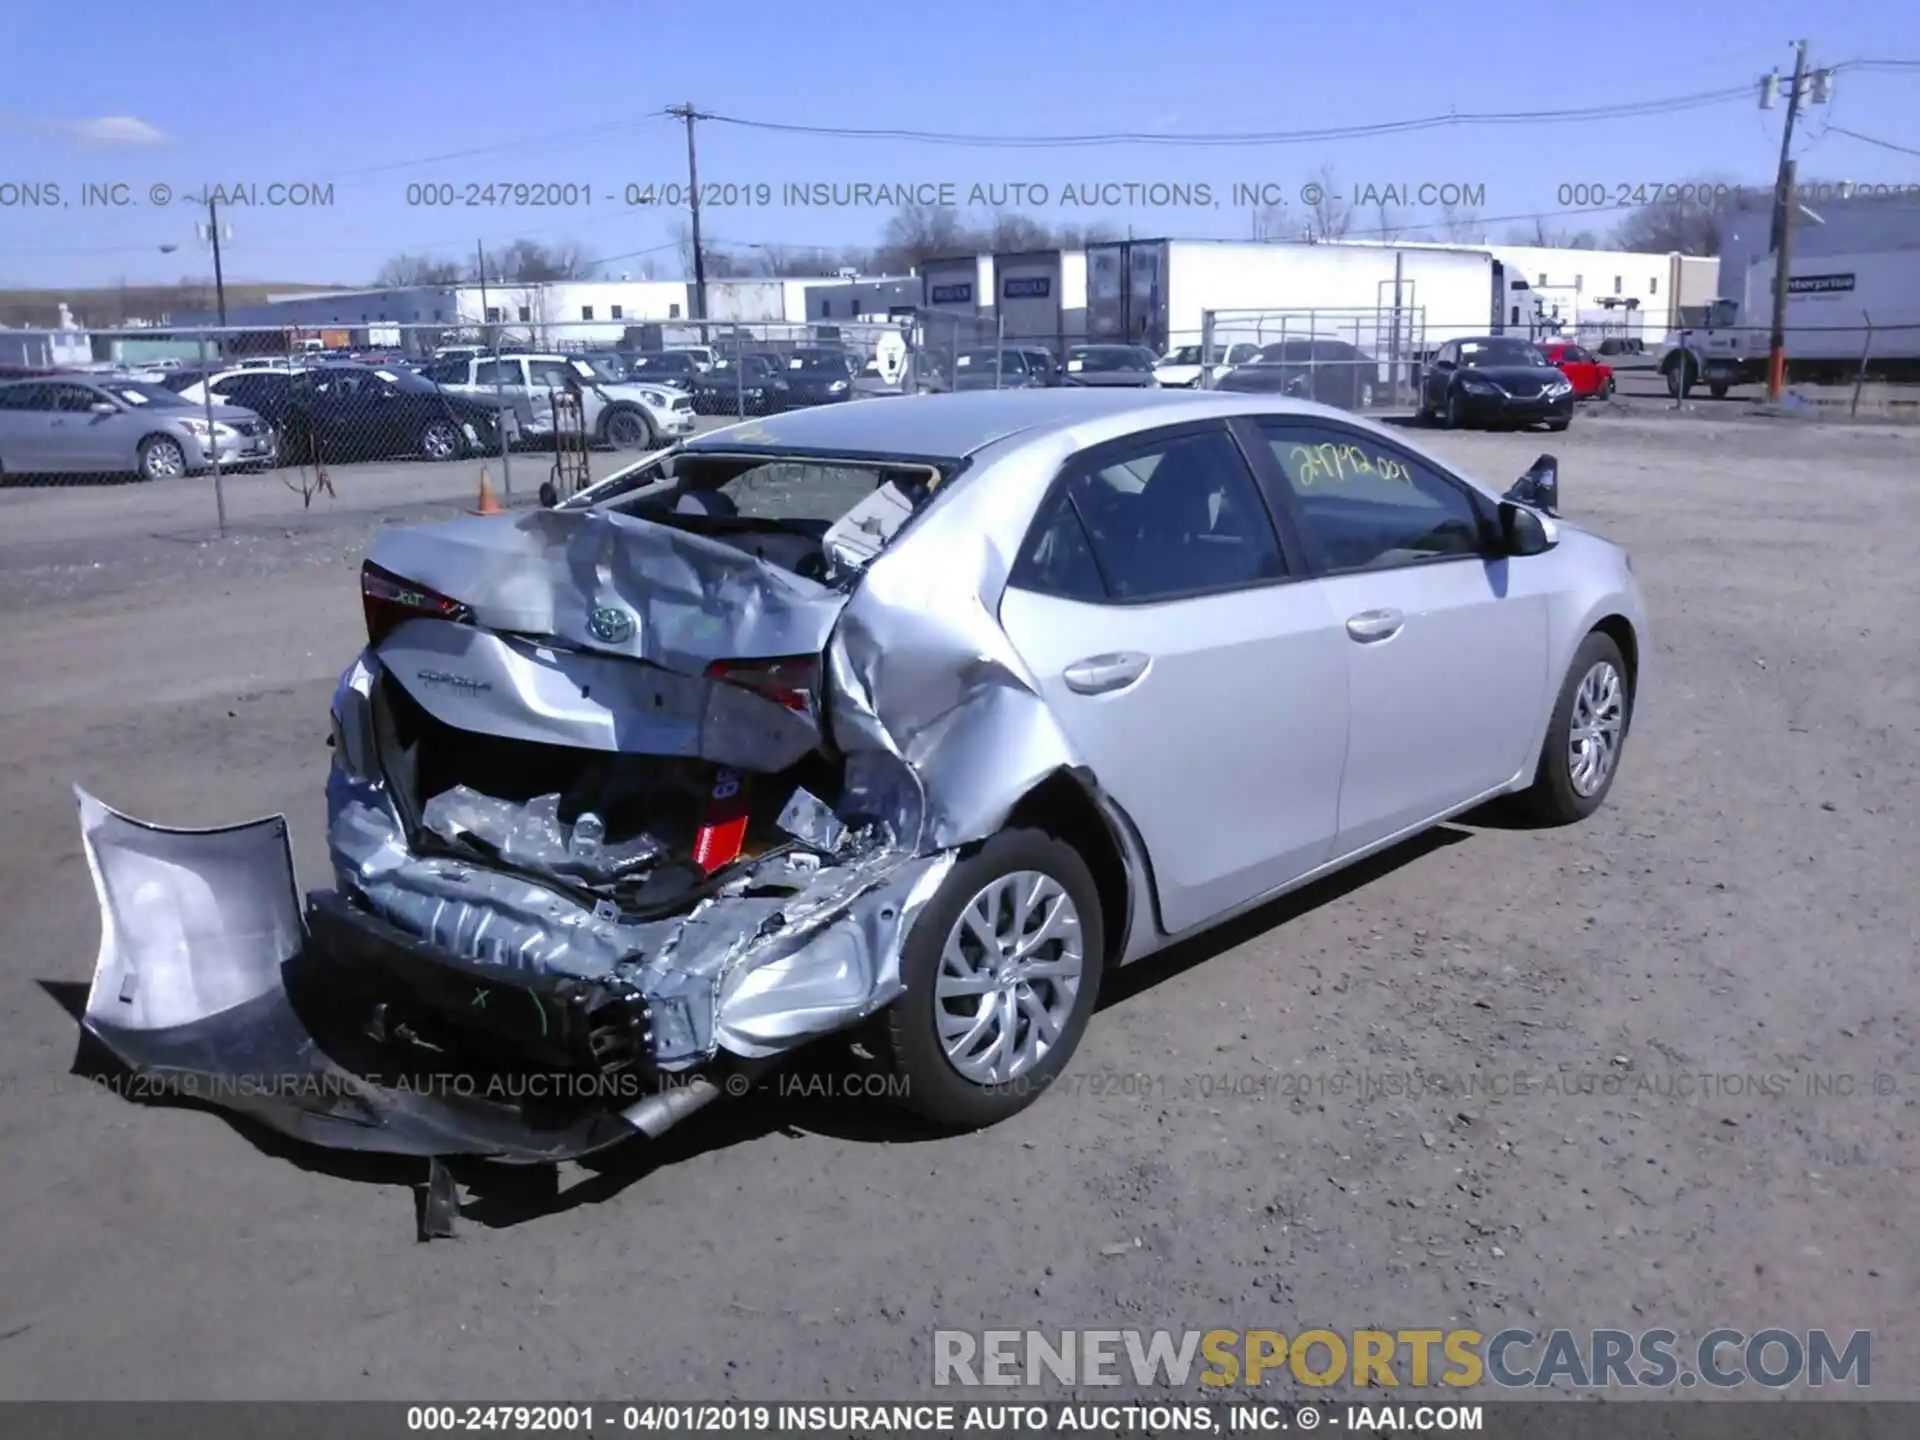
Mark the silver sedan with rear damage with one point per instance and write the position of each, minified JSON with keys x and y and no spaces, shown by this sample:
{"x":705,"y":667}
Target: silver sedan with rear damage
{"x":911,"y":719}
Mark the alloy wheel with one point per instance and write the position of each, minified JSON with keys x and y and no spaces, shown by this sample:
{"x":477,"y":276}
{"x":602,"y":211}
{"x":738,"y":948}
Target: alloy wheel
{"x":165,"y":461}
{"x":439,"y":442}
{"x":1593,"y":737}
{"x":1009,"y":974}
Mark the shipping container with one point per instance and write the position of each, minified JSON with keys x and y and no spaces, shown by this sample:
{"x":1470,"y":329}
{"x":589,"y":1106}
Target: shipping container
{"x":960,"y":285}
{"x":1041,"y":297}
{"x":1158,"y":292}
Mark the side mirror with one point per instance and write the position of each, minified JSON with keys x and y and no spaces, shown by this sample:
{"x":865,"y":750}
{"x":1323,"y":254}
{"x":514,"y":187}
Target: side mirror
{"x":103,"y":407}
{"x":1539,"y":488}
{"x":1524,"y":531}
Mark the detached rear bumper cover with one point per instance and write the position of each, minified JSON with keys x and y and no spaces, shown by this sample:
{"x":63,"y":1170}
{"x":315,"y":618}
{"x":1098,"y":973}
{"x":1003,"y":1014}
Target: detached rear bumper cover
{"x":197,"y":927}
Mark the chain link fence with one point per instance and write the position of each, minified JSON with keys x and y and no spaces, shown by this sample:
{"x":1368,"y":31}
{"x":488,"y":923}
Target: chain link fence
{"x":1356,"y":359}
{"x":503,"y":412}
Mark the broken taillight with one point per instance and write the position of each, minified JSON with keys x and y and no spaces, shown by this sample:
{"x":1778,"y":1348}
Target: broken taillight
{"x":793,"y":681}
{"x":389,"y":600}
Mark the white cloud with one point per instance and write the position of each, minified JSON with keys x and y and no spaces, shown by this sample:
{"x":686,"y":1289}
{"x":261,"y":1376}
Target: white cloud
{"x":114,"y":130}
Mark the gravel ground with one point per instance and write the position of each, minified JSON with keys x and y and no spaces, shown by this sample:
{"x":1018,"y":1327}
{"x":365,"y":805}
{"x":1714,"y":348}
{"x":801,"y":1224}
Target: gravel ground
{"x":1666,"y":1058}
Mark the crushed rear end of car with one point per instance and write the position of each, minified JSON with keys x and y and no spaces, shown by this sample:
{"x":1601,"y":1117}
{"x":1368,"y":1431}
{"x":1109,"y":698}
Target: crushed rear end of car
{"x":597,"y":848}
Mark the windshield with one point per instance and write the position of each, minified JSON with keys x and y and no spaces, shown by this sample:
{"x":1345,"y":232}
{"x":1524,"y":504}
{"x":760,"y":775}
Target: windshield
{"x":986,"y":360}
{"x":1290,"y":352}
{"x":660,"y":365}
{"x":1476,"y":353}
{"x":599,"y":367}
{"x":817,"y":363}
{"x":135,"y":392}
{"x":1100,"y":357}
{"x":411,"y":381}
{"x":1185,"y":355}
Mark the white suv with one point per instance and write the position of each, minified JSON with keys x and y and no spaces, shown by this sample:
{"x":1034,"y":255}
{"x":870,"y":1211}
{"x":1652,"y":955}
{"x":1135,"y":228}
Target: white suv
{"x":618,"y":413}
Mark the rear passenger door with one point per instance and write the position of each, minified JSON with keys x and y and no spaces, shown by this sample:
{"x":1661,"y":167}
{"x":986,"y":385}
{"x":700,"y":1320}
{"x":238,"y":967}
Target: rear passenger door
{"x":1445,"y":640}
{"x":1161,"y":612}
{"x":26,"y":426}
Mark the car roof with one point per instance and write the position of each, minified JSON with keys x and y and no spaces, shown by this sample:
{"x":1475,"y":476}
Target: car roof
{"x":952,"y":427}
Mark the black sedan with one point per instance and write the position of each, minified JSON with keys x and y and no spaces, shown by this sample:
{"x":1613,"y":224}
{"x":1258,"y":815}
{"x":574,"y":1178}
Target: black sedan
{"x":1495,"y":380}
{"x":819,"y":377}
{"x":678,"y":368}
{"x":1329,"y":371}
{"x":1123,"y":365}
{"x":359,"y":412}
{"x":751,"y":385}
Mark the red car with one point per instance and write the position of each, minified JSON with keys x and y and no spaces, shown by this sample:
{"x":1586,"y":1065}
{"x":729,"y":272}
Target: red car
{"x":1592,"y":378}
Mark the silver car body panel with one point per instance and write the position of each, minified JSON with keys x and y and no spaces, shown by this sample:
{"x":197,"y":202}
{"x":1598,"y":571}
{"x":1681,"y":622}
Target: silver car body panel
{"x":1257,"y":748}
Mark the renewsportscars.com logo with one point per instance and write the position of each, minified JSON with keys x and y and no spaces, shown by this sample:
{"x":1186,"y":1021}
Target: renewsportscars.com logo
{"x":1722,"y":1358}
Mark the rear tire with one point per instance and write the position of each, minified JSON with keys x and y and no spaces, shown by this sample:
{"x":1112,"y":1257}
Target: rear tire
{"x":161,"y":458}
{"x":962,"y":996}
{"x":1717,"y":389}
{"x":1681,"y":377}
{"x":1596,"y":702}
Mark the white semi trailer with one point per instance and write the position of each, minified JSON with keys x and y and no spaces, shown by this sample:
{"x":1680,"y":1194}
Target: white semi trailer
{"x":1841,"y":310}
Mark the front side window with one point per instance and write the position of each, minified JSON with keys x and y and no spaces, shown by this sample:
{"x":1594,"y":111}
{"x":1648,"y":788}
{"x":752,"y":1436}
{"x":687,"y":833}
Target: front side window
{"x":1179,"y":516}
{"x":1364,"y":505}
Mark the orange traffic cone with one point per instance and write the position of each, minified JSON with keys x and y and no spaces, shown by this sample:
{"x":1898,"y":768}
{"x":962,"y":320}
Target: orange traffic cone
{"x":489,"y":503}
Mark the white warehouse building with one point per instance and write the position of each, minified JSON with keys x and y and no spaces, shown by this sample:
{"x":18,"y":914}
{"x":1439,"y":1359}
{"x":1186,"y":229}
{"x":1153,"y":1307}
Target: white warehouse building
{"x":568,"y":314}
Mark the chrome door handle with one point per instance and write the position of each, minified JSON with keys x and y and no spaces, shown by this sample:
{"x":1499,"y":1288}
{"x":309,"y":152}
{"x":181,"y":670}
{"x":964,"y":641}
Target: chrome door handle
{"x":1373,"y":625}
{"x":1103,"y":674}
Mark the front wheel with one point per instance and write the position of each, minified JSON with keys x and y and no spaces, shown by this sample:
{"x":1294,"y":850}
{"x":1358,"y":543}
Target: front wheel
{"x":1001,"y":971}
{"x":1606,"y":389}
{"x":440,"y":441}
{"x":1581,"y":754}
{"x":1717,"y":389}
{"x":161,"y":459}
{"x":627,"y":428}
{"x":1680,"y":377}
{"x":1452,"y":417}
{"x":1558,"y":424}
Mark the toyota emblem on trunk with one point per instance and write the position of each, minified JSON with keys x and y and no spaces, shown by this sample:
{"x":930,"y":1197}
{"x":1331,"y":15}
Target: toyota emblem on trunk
{"x":610,"y":626}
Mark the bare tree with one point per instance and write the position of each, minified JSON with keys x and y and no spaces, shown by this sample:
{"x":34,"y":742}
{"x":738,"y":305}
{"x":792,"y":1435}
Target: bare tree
{"x":1682,"y":224}
{"x":530,"y":262}
{"x":403,"y":270}
{"x":1388,"y":222}
{"x":1010,"y":232}
{"x":918,"y":233}
{"x":1459,"y":223}
{"x":1270,"y":222}
{"x":1332,"y":216}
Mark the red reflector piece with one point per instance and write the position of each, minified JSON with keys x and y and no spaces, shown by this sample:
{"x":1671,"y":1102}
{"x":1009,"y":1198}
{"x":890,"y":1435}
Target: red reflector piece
{"x":723,"y":830}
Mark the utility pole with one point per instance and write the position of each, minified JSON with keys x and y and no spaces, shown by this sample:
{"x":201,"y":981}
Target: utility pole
{"x":480,"y":270}
{"x":687,"y":113}
{"x":219,"y":279}
{"x":1785,"y":202}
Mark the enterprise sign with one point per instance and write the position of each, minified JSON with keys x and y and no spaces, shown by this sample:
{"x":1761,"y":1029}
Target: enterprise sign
{"x":951,"y":294}
{"x":1819,"y":284}
{"x":1032,"y":287}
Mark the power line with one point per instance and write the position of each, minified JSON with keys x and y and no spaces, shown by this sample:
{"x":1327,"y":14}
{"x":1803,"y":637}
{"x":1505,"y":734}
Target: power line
{"x":1452,"y":119}
{"x":1869,"y":140}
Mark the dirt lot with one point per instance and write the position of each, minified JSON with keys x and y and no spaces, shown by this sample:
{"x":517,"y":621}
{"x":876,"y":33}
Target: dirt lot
{"x":1668,"y":1057}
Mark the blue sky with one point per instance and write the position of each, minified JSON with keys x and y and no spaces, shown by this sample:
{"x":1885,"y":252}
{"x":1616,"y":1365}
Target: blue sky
{"x":347,"y":94}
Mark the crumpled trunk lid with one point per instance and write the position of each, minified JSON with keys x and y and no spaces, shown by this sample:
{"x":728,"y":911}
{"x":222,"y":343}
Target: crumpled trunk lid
{"x":691,"y":600}
{"x":597,"y":630}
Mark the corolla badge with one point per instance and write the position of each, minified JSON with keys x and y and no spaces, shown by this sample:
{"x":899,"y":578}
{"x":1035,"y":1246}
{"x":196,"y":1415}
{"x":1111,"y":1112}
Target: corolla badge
{"x":610,"y":626}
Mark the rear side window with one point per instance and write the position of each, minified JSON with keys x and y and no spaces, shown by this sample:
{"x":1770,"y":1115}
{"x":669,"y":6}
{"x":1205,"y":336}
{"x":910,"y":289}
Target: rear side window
{"x":1178,"y":516}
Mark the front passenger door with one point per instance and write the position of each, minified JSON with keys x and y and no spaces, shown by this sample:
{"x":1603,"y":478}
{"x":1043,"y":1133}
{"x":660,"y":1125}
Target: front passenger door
{"x":1446,"y":641}
{"x":1159,"y":610}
